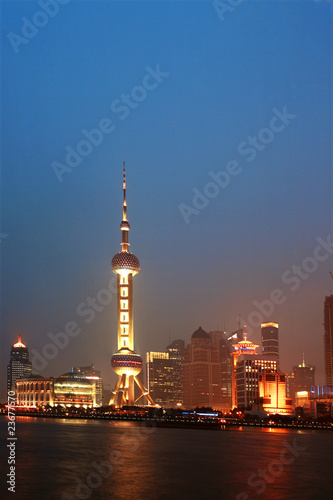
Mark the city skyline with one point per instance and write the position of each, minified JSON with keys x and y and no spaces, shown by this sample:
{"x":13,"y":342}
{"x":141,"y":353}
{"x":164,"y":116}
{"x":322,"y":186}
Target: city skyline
{"x":192,"y":120}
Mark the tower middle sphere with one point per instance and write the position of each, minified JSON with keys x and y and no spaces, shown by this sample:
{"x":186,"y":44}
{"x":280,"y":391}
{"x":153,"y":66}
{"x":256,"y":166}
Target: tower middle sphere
{"x":126,"y":362}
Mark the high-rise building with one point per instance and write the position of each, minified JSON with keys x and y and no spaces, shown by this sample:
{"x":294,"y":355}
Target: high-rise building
{"x":249,"y":367}
{"x":224,"y":342}
{"x":176,"y":352}
{"x":90,"y":373}
{"x":328,"y":339}
{"x":160,"y":377}
{"x":126,"y":363}
{"x":19,"y":365}
{"x":270,"y":339}
{"x":202,"y":372}
{"x":304,"y":377}
{"x":164,"y":374}
{"x":243,"y":347}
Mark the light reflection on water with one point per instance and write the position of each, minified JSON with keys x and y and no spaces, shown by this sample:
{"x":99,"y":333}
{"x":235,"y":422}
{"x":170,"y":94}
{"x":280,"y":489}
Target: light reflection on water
{"x":54,"y":456}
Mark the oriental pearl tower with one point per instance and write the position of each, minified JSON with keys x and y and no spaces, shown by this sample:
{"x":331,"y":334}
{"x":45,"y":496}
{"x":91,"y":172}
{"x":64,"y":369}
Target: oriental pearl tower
{"x":126,"y":363}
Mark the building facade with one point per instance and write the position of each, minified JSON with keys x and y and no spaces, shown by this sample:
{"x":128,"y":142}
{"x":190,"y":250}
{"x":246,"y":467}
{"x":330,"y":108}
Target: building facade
{"x":270,"y":339}
{"x":316,"y":403}
{"x":19,"y":365}
{"x":202,"y":372}
{"x":176,"y":352}
{"x":272,"y":394}
{"x":249,"y":367}
{"x":224,"y":342}
{"x":160,"y":377}
{"x":304,"y":377}
{"x":90,"y":373}
{"x":243,"y":347}
{"x":328,"y":339}
{"x":67,"y":390}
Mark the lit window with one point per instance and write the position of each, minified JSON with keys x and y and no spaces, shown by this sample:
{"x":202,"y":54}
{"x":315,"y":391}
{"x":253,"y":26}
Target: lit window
{"x":124,"y":304}
{"x":124,"y":291}
{"x":124,"y":317}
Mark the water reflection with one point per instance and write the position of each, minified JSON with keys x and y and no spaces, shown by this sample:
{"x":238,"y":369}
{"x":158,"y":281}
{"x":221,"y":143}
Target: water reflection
{"x":121,"y":460}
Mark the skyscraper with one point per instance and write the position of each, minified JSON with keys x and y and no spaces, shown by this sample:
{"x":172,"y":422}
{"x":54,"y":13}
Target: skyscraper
{"x":328,"y":339}
{"x":248,"y":371}
{"x":160,"y":377}
{"x":224,"y":342}
{"x":126,"y":363}
{"x":242,"y":348}
{"x":304,"y":377}
{"x":19,"y":365}
{"x":270,"y":339}
{"x":176,"y":352}
{"x":202,"y":372}
{"x":164,"y":374}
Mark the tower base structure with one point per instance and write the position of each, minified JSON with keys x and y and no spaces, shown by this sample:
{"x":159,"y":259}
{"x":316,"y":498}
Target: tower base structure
{"x":127,"y":364}
{"x":123,"y":393}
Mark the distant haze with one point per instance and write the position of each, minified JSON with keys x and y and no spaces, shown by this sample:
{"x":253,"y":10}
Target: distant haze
{"x":253,"y":89}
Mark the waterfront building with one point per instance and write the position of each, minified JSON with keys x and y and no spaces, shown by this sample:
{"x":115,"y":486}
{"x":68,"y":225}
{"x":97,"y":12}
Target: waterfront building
{"x":90,"y":373}
{"x":202,"y":372}
{"x":19,"y":365}
{"x":328,"y":339}
{"x":126,"y":363}
{"x":272,"y":394}
{"x":316,"y":402}
{"x":69,"y":389}
{"x":304,"y":377}
{"x":270,"y":339}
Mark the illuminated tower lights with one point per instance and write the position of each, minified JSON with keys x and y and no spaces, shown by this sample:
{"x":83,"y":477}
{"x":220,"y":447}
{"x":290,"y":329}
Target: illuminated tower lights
{"x":126,"y":363}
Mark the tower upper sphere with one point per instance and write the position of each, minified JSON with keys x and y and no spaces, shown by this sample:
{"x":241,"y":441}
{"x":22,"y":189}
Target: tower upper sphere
{"x":125,"y":260}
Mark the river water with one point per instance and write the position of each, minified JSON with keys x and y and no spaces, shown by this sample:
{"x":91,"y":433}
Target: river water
{"x":94,"y":459}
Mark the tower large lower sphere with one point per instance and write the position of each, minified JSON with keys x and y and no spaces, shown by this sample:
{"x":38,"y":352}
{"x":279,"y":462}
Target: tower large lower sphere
{"x":126,"y":363}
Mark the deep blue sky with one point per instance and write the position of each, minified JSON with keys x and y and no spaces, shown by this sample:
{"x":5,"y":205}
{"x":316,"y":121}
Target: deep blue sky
{"x":225,"y":79}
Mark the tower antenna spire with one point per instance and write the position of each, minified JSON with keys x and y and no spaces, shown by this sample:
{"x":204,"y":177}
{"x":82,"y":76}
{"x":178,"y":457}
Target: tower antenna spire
{"x":124,"y":226}
{"x":124,"y":191}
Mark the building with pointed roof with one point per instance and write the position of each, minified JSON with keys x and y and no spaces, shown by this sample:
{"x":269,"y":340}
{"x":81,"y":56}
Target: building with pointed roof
{"x":304,"y":376}
{"x":19,"y":365}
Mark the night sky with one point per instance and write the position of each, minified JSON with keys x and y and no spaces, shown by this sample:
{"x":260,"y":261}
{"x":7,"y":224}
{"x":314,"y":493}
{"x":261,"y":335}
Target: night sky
{"x":183,"y":95}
